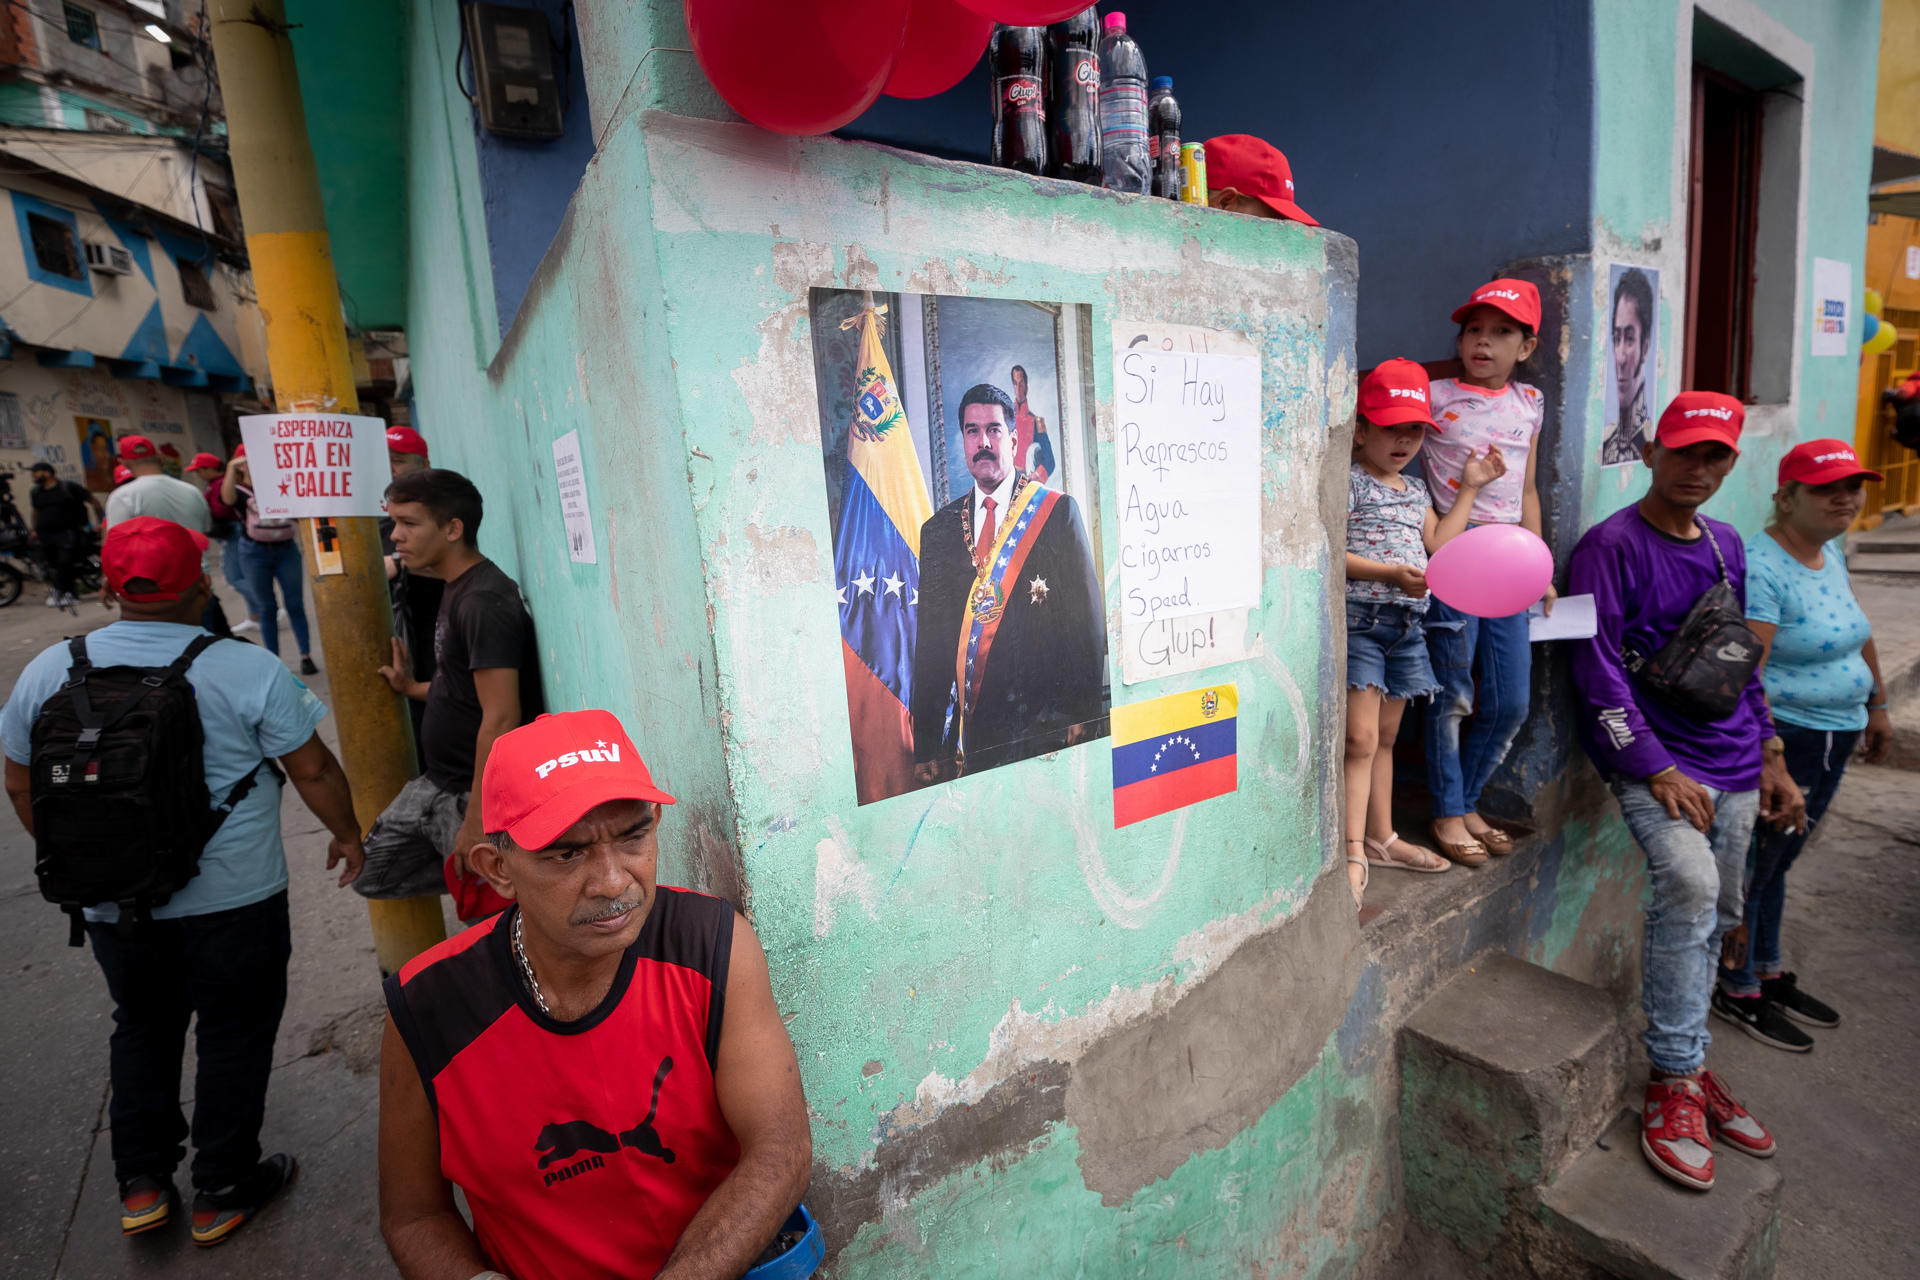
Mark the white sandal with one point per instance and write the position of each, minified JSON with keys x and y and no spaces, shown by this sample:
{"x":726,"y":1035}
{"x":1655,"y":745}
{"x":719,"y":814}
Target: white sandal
{"x":1366,"y":876}
{"x":1385,"y":858}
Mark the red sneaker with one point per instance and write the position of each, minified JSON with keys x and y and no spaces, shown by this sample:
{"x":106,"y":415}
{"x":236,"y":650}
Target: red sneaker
{"x":1673,"y":1132}
{"x":1730,"y":1121}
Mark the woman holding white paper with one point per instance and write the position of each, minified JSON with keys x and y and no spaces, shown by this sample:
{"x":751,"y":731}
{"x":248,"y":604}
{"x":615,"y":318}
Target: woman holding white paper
{"x":1823,"y":685}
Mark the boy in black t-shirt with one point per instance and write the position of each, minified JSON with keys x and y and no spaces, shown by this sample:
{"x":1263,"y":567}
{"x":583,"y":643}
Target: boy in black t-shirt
{"x":486,"y":681}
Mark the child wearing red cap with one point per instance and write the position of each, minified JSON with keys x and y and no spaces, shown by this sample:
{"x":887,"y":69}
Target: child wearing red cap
{"x":1483,"y":408}
{"x":1391,"y":529}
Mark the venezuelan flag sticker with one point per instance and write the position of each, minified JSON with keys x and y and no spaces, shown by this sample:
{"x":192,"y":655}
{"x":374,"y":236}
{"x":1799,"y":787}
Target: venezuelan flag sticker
{"x":1174,"y":751}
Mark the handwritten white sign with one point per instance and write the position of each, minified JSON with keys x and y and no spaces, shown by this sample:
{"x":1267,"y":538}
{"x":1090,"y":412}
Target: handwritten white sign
{"x":317,"y":464}
{"x":1187,"y":441}
{"x":573,"y":499}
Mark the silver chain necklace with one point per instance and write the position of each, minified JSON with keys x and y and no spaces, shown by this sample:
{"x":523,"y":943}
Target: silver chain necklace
{"x":526,"y":967}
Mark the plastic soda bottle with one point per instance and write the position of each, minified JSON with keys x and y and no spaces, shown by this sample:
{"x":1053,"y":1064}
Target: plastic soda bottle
{"x":1124,"y":162}
{"x":1074,"y":72}
{"x":1018,"y":56}
{"x":1163,"y":137}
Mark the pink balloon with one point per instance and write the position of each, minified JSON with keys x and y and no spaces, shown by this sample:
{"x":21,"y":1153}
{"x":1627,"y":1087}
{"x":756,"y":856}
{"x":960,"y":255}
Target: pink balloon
{"x":944,"y":40}
{"x":1492,"y":571}
{"x":1025,"y":13}
{"x":797,"y":66}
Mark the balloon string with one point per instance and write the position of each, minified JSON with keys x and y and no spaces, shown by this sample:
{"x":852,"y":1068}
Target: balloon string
{"x":619,"y":106}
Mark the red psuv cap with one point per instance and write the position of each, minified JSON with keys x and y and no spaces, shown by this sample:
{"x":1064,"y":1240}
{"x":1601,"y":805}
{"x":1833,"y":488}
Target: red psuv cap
{"x":148,"y":547}
{"x":1516,"y":298}
{"x":121,"y":473}
{"x":406,"y":440}
{"x":133,"y":448}
{"x":1254,"y":167}
{"x":1823,"y":462}
{"x":1694,"y":416}
{"x":205,"y":460}
{"x":1394,"y":393}
{"x":542,"y":778}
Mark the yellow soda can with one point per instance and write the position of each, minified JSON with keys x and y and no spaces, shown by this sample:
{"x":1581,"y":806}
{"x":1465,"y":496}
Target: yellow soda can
{"x":1193,"y":173}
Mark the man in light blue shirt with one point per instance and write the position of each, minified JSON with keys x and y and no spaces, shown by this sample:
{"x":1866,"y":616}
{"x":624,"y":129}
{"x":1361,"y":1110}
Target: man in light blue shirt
{"x":217,"y":949}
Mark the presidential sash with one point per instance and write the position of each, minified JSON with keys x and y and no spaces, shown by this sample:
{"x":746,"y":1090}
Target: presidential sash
{"x":1027,"y":511}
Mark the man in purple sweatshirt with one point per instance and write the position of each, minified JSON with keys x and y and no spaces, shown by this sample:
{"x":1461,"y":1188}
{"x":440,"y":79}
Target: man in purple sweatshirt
{"x":1689,"y":789}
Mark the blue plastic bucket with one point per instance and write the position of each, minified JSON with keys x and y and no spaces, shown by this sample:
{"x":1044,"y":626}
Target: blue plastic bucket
{"x":800,"y":1261}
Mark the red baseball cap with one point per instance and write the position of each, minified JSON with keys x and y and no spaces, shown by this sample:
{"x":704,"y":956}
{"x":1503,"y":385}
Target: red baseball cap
{"x":1694,"y":416}
{"x":1395,"y":393}
{"x":542,"y":778}
{"x":406,"y":440}
{"x":149,"y":547}
{"x":201,"y":460}
{"x":240,"y":451}
{"x":1254,"y":167}
{"x":1515,"y":298}
{"x":1823,"y":462}
{"x":133,"y":448}
{"x":122,"y":473}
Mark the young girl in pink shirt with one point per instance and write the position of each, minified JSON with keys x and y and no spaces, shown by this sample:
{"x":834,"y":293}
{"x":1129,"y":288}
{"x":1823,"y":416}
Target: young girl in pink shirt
{"x":1482,"y":408}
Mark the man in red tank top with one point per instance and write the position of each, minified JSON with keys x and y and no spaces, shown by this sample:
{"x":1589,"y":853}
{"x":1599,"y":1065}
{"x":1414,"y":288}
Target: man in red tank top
{"x":601,"y":1067}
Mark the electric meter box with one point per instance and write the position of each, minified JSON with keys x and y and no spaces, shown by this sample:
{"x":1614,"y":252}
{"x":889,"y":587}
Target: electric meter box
{"x":513,"y":58}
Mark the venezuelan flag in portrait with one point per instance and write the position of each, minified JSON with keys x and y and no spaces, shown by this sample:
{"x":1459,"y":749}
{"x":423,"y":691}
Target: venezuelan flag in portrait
{"x":876,"y":565}
{"x":1174,"y":751}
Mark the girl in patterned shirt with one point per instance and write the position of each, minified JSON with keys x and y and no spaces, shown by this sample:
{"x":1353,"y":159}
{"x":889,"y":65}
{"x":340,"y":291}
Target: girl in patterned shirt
{"x":1391,"y":529}
{"x":1481,"y":409}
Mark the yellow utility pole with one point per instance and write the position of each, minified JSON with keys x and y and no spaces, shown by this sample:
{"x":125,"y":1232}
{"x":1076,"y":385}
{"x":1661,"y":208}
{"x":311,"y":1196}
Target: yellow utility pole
{"x":279,"y":190}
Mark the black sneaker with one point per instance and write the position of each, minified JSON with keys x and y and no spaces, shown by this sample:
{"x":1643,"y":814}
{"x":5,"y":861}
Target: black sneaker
{"x":218,"y":1214}
{"x":307,"y":668}
{"x":146,"y":1202}
{"x":1760,"y":1018}
{"x":1797,"y":1004}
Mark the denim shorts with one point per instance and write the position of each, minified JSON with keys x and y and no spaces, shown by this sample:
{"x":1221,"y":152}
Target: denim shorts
{"x":1387,"y":650}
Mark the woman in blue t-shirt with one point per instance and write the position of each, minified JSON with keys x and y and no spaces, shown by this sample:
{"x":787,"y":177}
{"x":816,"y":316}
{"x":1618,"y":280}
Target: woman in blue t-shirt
{"x":1823,"y":684}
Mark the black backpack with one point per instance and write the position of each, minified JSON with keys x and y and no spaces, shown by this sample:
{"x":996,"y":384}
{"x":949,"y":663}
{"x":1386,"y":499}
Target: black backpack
{"x":121,"y":810}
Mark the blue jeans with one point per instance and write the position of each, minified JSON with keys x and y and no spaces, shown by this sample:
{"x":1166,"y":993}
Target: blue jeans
{"x":1386,"y":650}
{"x":264,"y":564}
{"x":236,"y":576}
{"x":1464,"y":647}
{"x":1816,"y":759}
{"x":1697,"y":882}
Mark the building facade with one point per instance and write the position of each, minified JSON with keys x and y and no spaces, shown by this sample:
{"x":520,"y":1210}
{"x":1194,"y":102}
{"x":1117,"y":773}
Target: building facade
{"x":125,"y":302}
{"x":1036,"y":1042}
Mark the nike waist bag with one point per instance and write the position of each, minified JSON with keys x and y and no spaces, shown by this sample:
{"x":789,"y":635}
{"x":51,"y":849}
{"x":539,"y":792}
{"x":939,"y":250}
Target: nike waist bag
{"x":1703,"y":670}
{"x":121,"y":810}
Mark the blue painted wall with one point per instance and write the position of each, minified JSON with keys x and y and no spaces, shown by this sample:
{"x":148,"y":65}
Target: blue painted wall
{"x":527,"y":183}
{"x":1445,"y":144}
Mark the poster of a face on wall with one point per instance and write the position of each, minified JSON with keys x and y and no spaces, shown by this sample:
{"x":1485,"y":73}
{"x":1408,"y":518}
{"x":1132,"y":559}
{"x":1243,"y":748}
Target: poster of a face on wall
{"x":1632,"y":390}
{"x":959,"y":485}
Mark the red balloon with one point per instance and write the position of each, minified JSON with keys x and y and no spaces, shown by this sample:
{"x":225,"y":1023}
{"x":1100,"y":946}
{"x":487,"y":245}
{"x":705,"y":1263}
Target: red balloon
{"x":797,"y":66}
{"x":1025,"y":13}
{"x":944,"y":40}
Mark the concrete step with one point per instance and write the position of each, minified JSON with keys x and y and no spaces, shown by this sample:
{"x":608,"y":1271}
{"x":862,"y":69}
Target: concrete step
{"x":1507,"y":1075}
{"x":1907,"y":543}
{"x":1859,"y":560}
{"x":1612,"y":1215}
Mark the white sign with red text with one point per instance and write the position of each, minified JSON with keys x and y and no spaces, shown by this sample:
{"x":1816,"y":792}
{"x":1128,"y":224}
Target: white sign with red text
{"x":317,"y":464}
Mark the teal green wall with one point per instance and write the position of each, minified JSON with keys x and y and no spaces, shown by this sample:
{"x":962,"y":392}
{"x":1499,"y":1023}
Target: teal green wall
{"x":1639,"y":212}
{"x":352,"y":59}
